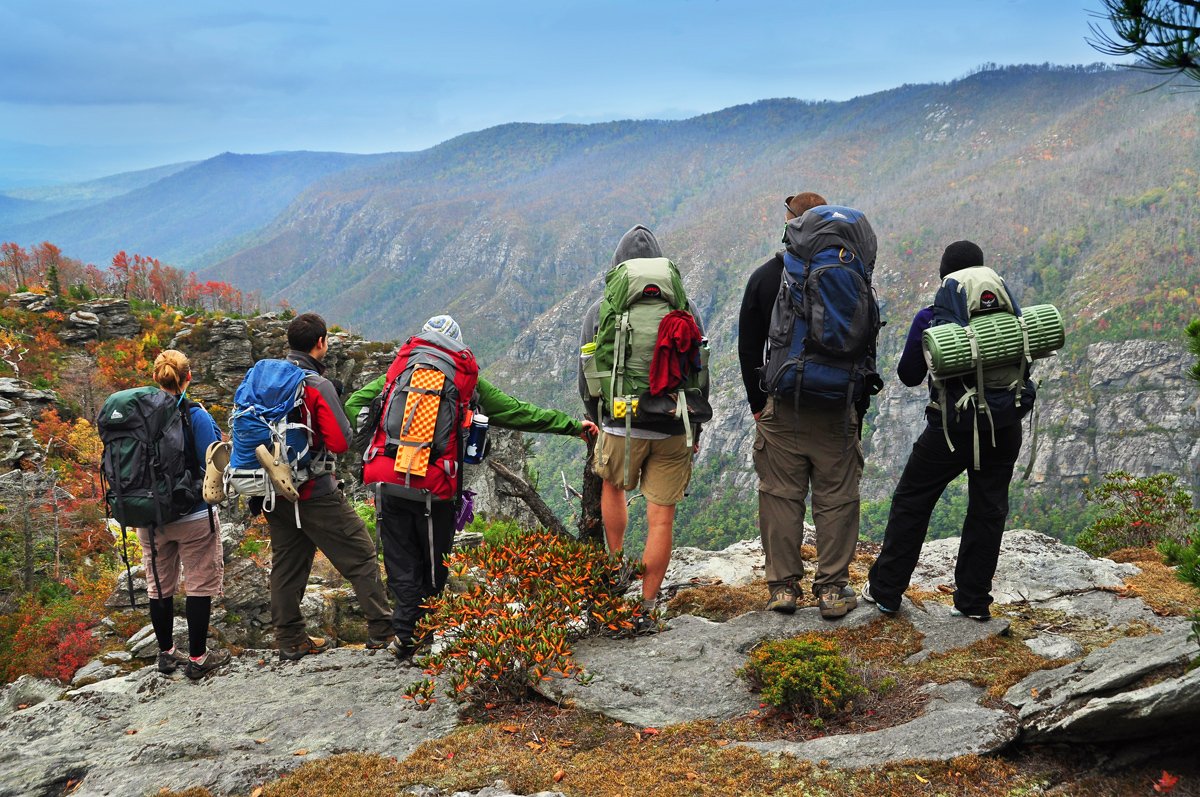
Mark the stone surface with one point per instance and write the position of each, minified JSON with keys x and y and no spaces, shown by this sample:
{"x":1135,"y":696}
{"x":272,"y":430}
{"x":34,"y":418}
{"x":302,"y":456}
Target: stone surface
{"x":954,"y":724}
{"x":1053,"y":646}
{"x":227,"y":733}
{"x":94,"y":671}
{"x":687,"y":672}
{"x":945,"y":632}
{"x":740,"y":563}
{"x":1032,"y":567}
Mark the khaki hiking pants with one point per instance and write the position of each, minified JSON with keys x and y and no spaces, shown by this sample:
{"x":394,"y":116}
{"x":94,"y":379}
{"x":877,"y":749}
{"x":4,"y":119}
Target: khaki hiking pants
{"x":796,"y":449}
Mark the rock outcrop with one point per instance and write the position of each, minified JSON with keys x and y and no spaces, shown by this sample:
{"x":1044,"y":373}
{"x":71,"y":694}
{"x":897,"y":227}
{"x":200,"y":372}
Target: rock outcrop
{"x":124,"y":728}
{"x":20,"y":405}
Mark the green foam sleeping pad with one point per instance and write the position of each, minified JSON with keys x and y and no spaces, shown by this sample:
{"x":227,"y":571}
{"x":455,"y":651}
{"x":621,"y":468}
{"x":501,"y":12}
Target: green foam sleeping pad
{"x":948,"y":348}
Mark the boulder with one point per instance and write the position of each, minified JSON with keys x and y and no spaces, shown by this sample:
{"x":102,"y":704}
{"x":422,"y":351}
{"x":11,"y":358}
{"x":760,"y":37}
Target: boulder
{"x":1132,"y":679}
{"x":80,"y":327}
{"x":954,"y":724}
{"x":1032,"y":567}
{"x":29,"y":302}
{"x":114,"y":317}
{"x":1053,"y":646}
{"x":250,"y":723}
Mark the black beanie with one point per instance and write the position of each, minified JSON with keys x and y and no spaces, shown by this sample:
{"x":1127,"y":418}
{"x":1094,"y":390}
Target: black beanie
{"x":960,"y":255}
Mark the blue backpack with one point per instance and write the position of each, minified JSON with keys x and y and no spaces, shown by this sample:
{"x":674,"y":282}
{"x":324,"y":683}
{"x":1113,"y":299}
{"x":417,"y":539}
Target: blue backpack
{"x":821,"y":340}
{"x":269,"y":411}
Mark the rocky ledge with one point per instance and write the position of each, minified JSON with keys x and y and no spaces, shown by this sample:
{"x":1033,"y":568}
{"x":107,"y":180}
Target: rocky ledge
{"x":135,"y":731}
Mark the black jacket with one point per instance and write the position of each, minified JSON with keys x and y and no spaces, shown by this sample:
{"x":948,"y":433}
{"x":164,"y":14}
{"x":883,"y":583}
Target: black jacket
{"x":754,"y":322}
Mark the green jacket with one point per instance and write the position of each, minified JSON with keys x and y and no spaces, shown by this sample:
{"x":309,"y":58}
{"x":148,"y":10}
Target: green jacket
{"x":500,"y":408}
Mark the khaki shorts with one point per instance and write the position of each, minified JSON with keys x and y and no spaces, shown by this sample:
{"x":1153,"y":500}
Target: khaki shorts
{"x":663,"y":467}
{"x":195,"y":546}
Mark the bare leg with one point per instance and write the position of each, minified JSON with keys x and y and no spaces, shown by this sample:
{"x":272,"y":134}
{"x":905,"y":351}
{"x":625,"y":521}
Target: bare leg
{"x":615,"y":513}
{"x":660,"y":520}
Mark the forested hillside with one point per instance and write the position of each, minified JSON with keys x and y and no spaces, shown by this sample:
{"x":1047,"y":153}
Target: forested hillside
{"x":1080,"y":184}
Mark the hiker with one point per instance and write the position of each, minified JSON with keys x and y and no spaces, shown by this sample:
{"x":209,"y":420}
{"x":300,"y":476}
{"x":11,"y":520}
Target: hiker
{"x":322,"y":519}
{"x":643,"y":379}
{"x":416,"y":514}
{"x":984,"y":443}
{"x":807,"y":437}
{"x":193,"y":542}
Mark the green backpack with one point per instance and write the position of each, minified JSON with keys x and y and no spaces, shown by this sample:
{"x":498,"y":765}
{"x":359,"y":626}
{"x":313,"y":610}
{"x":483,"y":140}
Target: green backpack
{"x":638,"y":294}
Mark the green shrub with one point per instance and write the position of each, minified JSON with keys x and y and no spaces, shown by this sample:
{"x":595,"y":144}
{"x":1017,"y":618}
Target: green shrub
{"x":1185,"y":558}
{"x":496,"y":532}
{"x":1138,"y":512}
{"x":807,"y":673}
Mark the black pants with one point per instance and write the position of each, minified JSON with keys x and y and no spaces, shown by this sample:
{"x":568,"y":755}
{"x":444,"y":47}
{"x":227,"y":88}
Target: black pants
{"x":931,"y":466}
{"x":415,"y":565}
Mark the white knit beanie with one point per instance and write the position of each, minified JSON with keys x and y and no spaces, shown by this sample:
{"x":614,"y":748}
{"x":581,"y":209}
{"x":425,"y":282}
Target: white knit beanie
{"x":444,"y":324}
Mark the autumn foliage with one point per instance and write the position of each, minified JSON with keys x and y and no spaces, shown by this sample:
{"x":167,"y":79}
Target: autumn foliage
{"x":514,"y":606}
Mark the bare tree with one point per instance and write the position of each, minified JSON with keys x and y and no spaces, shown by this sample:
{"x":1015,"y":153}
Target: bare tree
{"x":1162,"y":33}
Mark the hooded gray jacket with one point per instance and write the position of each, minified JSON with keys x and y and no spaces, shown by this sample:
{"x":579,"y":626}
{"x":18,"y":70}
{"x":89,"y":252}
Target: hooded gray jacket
{"x":637,"y":242}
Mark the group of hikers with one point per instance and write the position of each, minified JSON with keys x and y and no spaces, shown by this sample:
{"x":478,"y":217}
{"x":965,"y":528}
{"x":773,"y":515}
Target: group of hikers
{"x":807,"y":336}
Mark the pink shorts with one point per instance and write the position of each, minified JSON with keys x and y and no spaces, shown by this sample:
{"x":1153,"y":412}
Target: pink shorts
{"x":193,"y":544}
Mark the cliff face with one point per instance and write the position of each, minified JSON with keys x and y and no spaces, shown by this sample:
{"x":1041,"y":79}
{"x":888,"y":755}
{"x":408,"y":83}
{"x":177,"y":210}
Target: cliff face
{"x":1121,"y":406}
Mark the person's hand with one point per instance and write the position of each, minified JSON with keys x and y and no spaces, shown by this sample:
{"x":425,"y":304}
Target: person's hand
{"x":589,"y":430}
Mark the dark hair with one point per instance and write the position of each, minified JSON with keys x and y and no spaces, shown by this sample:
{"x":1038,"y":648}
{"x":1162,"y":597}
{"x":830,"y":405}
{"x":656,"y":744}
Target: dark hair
{"x":305,"y":331}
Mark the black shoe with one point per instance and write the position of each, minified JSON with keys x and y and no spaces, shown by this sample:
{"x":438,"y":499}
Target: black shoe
{"x":210,"y":661}
{"x":170,"y":660}
{"x":311,"y":645}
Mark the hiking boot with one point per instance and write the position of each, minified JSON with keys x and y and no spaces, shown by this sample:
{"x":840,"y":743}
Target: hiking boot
{"x":278,"y":470}
{"x":866,"y":594}
{"x":783,"y":600}
{"x":170,"y":660}
{"x":379,"y":642}
{"x":216,"y":459}
{"x":403,"y":651}
{"x":210,"y":661}
{"x":835,"y":601}
{"x":311,"y":645}
{"x":645,"y":624}
{"x":982,"y":617}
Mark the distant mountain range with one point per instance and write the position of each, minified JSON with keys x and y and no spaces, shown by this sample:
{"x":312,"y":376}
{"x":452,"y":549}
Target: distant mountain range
{"x":186,"y":214}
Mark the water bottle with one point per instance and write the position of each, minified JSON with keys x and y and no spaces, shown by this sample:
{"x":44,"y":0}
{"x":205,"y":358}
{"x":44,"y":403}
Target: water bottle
{"x":476,"y":439}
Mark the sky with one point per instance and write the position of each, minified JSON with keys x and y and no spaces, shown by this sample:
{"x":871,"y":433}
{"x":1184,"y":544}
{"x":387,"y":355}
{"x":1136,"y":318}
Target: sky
{"x":89,"y":89}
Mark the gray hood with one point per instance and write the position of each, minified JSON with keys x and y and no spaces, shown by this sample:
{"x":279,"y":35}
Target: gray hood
{"x":638,"y":242}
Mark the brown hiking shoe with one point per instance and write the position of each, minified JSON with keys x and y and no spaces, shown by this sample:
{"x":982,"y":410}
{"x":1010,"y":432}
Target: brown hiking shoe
{"x":379,"y":642}
{"x":210,"y":661}
{"x":170,"y":660}
{"x":278,"y":470}
{"x":216,"y":459}
{"x":783,"y":600}
{"x":835,"y":601}
{"x":311,"y":645}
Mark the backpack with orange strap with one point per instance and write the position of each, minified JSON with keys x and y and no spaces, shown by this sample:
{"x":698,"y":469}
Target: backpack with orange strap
{"x":416,"y":449}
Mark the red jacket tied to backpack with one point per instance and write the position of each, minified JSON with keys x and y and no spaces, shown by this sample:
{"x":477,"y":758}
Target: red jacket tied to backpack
{"x":424,"y":418}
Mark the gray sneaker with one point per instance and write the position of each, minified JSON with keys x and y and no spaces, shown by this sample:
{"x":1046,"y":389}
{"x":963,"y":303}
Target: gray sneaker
{"x":783,"y":600}
{"x":835,"y":601}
